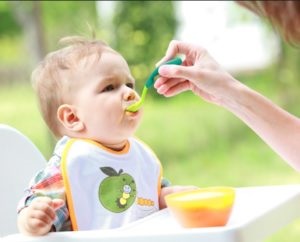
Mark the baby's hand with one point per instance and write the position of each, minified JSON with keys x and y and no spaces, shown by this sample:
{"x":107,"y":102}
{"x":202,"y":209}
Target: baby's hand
{"x":38,"y":217}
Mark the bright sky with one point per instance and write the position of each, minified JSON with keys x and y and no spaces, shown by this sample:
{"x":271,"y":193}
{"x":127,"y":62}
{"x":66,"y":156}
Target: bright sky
{"x":237,"y":47}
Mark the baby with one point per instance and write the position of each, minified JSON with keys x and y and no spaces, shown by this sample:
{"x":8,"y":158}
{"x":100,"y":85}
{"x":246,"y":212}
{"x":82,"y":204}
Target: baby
{"x":99,"y":176}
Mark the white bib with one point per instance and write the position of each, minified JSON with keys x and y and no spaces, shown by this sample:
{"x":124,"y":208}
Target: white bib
{"x":107,"y":189}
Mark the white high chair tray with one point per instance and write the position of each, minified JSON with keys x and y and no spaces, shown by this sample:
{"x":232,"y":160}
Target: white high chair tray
{"x":258,"y":212}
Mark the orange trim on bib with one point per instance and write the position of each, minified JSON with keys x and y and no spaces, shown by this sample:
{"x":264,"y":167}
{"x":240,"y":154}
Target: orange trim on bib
{"x":159,"y":163}
{"x":119,"y":152}
{"x":67,"y":184}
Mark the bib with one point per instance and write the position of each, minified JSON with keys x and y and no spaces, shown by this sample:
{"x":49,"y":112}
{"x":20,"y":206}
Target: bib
{"x":107,"y":189}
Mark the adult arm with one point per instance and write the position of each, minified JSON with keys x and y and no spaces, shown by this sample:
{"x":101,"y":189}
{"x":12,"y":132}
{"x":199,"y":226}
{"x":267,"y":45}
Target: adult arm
{"x":201,"y":74}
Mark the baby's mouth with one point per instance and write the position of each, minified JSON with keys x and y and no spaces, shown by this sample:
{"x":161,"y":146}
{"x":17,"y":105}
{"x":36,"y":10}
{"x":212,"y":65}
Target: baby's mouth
{"x":131,"y":113}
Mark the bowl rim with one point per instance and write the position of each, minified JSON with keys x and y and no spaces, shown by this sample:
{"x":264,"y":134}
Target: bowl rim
{"x":216,"y":197}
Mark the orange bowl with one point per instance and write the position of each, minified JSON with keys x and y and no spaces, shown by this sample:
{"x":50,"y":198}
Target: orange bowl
{"x":203,"y":207}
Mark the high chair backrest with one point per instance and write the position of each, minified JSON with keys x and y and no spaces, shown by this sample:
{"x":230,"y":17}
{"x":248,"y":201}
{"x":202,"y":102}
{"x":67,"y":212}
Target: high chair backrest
{"x":20,"y":160}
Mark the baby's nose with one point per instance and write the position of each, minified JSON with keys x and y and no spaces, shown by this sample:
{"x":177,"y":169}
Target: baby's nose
{"x":130,"y":95}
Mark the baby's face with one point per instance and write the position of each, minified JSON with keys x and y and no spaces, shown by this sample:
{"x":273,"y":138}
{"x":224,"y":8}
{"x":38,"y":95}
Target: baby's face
{"x":105,"y":90}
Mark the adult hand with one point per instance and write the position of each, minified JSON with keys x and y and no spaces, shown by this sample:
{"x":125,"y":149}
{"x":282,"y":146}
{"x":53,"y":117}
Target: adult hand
{"x":204,"y":76}
{"x":199,"y":73}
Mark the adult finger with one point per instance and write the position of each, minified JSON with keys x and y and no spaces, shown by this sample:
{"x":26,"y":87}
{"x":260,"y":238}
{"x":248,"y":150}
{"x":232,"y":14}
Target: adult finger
{"x":175,"y":47}
{"x":185,"y":72}
{"x":173,"y":88}
{"x":179,"y":88}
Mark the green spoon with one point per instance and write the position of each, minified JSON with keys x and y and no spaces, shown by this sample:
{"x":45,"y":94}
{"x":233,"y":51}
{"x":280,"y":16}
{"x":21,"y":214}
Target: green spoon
{"x":149,"y":83}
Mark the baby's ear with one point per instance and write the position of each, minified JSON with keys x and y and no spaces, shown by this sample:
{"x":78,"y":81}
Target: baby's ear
{"x":66,"y":114}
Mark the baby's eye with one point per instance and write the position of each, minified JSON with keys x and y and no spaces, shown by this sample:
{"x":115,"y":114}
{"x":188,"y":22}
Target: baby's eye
{"x":130,"y":85}
{"x":108,"y":88}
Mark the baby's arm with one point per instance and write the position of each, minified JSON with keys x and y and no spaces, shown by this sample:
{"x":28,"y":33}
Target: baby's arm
{"x":37,"y":218}
{"x":172,"y":189}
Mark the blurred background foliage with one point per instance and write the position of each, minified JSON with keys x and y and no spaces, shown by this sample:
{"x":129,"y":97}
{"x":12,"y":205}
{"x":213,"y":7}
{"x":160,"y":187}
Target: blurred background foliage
{"x":39,"y":25}
{"x":198,"y":143}
{"x":143,"y":38}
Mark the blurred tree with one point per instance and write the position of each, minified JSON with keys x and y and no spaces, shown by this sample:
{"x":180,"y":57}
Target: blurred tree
{"x":43,"y":23}
{"x":287,"y":77}
{"x":284,"y":71}
{"x":8,"y":24}
{"x":143,"y":30}
{"x":29,"y":16}
{"x":64,"y":18}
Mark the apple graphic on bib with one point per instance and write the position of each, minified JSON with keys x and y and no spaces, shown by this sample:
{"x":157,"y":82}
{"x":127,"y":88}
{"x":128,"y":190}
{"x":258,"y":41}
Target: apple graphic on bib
{"x":117,"y":192}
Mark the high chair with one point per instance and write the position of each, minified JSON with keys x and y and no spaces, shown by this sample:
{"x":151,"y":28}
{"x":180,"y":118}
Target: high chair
{"x":258,"y":212}
{"x":20,"y":160}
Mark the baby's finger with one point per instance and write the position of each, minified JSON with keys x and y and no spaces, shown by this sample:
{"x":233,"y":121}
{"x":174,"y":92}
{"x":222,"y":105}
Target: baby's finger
{"x":38,"y":227}
{"x":57,"y":203}
{"x":41,"y":199}
{"x":43,"y":204}
{"x":39,"y":216}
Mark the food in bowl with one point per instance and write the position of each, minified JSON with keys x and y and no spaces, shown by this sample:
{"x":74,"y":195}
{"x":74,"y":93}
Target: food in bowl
{"x":203,"y":207}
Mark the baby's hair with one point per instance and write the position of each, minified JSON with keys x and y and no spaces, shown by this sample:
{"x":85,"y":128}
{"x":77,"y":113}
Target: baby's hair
{"x":283,"y":15}
{"x":52,"y":78}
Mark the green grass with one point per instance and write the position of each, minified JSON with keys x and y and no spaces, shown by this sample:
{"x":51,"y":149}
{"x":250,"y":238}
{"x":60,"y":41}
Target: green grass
{"x":19,"y":109}
{"x":198,"y":143}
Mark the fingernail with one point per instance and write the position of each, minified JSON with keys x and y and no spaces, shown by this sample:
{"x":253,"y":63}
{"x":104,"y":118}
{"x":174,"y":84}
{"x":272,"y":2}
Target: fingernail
{"x":161,"y":89}
{"x":163,"y":70}
{"x":156,"y":84}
